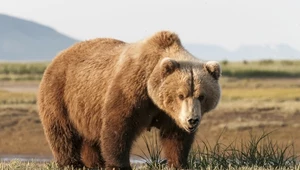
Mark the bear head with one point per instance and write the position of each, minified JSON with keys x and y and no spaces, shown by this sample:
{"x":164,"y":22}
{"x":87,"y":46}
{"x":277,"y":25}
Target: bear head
{"x":185,"y":89}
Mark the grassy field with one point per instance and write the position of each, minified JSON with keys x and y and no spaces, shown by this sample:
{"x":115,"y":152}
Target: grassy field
{"x":263,"y":68}
{"x":260,"y":96}
{"x":22,"y":71}
{"x":253,"y":69}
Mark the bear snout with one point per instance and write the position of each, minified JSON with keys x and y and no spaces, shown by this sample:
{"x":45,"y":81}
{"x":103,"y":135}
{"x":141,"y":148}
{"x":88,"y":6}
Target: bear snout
{"x":193,"y":122}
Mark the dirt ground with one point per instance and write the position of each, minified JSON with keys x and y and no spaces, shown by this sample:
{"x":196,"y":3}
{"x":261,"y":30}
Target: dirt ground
{"x":21,"y":131}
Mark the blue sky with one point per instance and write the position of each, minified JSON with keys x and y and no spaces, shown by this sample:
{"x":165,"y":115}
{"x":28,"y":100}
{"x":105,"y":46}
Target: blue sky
{"x":228,"y":23}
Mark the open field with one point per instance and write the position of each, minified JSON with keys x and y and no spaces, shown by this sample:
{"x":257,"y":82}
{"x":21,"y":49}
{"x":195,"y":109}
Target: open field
{"x":249,"y":104}
{"x":263,"y":68}
{"x":22,"y":71}
{"x":253,"y":69}
{"x":257,"y":107}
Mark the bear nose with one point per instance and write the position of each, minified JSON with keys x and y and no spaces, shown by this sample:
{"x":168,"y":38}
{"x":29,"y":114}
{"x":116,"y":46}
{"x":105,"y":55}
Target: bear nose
{"x":193,"y":121}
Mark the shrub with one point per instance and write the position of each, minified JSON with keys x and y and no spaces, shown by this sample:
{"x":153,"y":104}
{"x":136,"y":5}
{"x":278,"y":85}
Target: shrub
{"x":224,"y":62}
{"x":266,"y":62}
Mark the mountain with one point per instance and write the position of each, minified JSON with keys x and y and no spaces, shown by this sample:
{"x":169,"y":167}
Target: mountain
{"x":22,"y":40}
{"x":246,"y":52}
{"x":207,"y":52}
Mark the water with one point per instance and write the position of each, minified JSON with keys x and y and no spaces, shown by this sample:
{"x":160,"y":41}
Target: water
{"x":25,"y":158}
{"x":44,"y":159}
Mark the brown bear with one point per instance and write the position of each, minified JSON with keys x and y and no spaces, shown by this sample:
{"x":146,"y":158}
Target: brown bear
{"x":98,"y":96}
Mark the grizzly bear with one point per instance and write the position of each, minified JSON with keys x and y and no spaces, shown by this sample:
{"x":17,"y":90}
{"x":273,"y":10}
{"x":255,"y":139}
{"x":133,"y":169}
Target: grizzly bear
{"x":98,"y":96}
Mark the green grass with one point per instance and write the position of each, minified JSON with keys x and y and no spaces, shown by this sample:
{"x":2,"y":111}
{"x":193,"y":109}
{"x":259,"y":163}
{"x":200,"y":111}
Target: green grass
{"x":253,"y":69}
{"x":259,"y":152}
{"x":20,"y":77}
{"x":23,"y":68}
{"x":261,"y":69}
{"x":22,"y":71}
{"x":151,"y":155}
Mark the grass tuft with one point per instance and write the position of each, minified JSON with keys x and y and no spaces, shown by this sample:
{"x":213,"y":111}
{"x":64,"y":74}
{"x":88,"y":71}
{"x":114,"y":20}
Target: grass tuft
{"x":258,"y":151}
{"x":152,"y":155}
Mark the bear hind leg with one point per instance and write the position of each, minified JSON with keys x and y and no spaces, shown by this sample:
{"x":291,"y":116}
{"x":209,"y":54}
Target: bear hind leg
{"x":64,"y":141}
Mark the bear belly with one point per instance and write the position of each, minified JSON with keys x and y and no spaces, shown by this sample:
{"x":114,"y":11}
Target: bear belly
{"x":87,"y":123}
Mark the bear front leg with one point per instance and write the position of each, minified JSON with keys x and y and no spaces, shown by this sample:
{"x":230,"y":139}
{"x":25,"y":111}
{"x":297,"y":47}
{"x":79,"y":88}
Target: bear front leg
{"x":91,"y":155}
{"x":117,"y":135}
{"x":176,"y":145}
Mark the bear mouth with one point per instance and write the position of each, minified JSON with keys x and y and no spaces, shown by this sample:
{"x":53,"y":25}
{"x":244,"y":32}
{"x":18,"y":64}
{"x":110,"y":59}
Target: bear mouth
{"x":190,"y":129}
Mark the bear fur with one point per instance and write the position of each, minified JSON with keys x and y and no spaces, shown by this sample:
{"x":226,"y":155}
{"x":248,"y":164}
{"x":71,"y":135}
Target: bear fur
{"x":98,"y":96}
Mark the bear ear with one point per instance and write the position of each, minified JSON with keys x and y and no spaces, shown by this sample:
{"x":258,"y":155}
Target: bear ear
{"x":214,"y":69}
{"x":168,"y":66}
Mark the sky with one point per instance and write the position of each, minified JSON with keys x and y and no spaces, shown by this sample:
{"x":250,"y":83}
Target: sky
{"x":228,"y":23}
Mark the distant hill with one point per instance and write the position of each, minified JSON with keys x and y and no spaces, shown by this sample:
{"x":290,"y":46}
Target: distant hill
{"x":22,"y":40}
{"x":249,"y":52}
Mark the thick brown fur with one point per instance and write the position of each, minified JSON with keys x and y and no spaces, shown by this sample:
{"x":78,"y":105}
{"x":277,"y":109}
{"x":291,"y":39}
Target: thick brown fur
{"x":97,"y":96}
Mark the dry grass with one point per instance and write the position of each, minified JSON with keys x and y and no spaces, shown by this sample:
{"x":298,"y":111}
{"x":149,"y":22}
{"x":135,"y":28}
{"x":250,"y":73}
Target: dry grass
{"x":270,"y":94}
{"x":233,"y":90}
{"x":250,"y":83}
{"x":9,"y":98}
{"x":18,"y":165}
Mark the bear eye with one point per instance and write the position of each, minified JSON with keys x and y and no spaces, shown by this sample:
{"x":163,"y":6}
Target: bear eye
{"x":201,"y":98}
{"x":181,"y":97}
